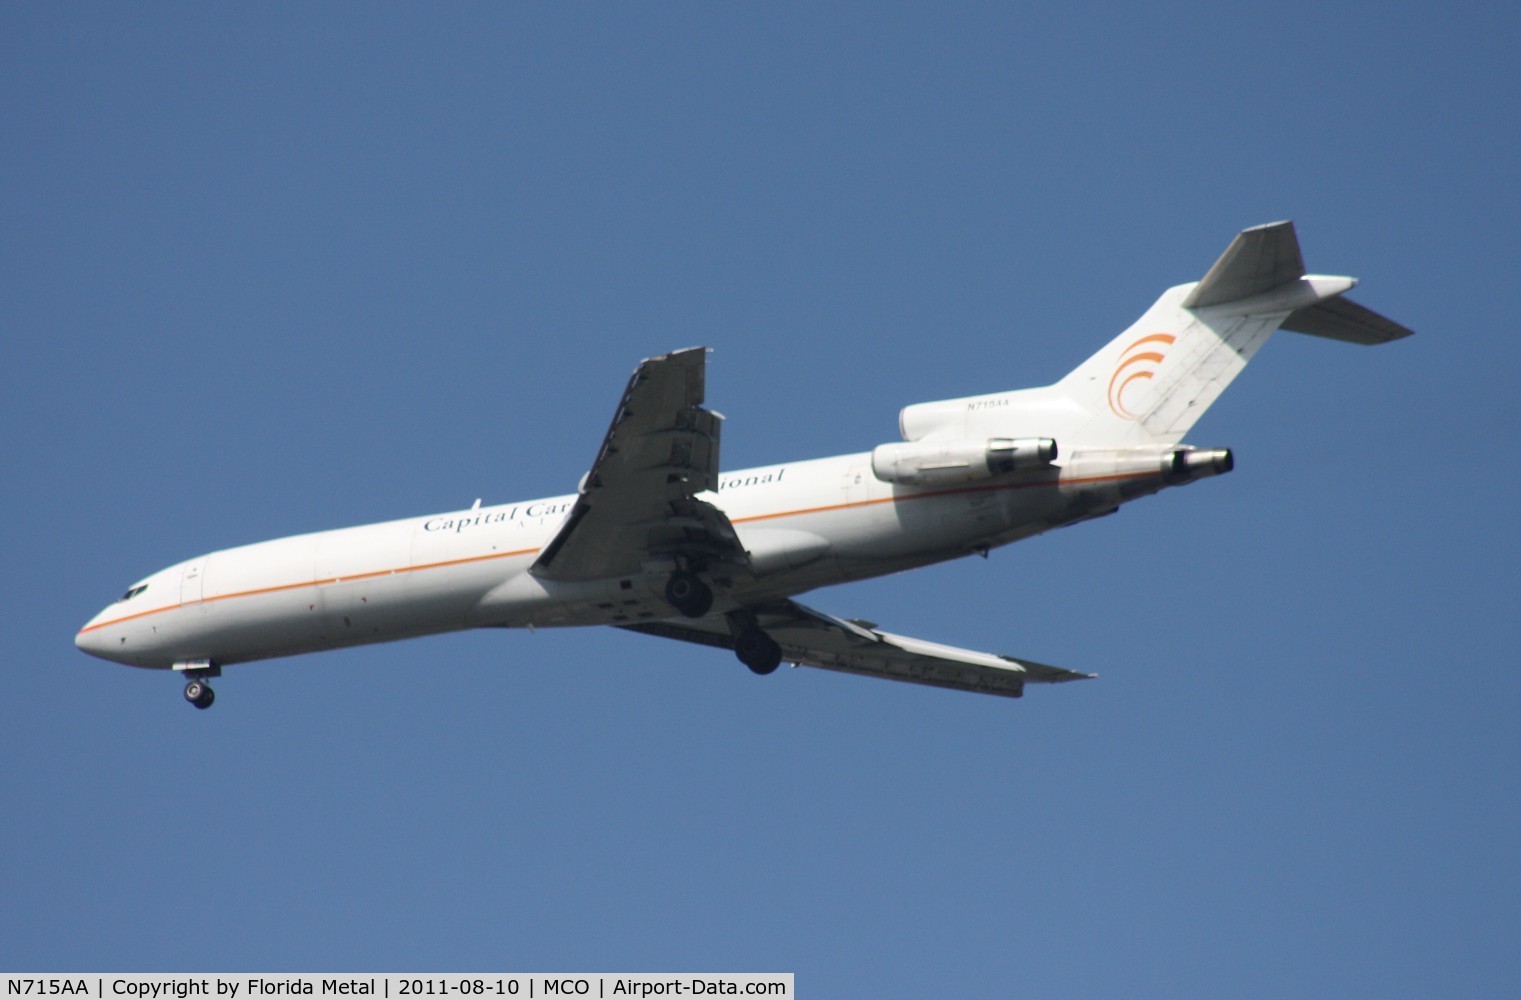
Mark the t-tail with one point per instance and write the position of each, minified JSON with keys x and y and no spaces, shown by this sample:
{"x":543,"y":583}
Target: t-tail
{"x":1149,"y":385}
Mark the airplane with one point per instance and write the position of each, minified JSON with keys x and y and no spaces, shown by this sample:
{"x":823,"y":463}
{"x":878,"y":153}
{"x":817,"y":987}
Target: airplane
{"x":658,"y":540}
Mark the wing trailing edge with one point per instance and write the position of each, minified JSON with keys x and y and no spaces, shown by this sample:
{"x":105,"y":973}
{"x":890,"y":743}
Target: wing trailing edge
{"x":814,"y":639}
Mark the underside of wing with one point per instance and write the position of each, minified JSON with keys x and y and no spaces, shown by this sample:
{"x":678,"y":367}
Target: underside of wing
{"x":638,"y":502}
{"x":813,"y":639}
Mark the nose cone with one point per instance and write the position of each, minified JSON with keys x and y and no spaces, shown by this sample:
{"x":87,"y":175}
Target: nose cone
{"x":89,"y":641}
{"x":95,"y":640}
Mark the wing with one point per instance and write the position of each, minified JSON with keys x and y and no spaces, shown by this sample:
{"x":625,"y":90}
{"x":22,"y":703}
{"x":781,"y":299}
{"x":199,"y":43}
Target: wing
{"x":813,"y":639}
{"x":638,"y":501}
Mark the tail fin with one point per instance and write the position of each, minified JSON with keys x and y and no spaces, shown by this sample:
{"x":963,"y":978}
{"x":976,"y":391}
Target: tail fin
{"x":1151,"y":383}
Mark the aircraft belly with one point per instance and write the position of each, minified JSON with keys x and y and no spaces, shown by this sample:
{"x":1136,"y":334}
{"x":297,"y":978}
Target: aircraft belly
{"x":888,"y":534}
{"x":260,"y":626}
{"x":916,"y":525}
{"x":390,"y":607}
{"x":256,"y":626}
{"x":527,"y":600}
{"x":267,"y":603}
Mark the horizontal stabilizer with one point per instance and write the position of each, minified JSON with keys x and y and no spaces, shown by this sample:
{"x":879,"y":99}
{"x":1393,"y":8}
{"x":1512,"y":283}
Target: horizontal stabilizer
{"x":1258,"y":260}
{"x":1342,"y":319}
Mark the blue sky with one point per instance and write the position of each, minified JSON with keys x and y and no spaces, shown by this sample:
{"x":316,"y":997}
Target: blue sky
{"x":275,"y":268}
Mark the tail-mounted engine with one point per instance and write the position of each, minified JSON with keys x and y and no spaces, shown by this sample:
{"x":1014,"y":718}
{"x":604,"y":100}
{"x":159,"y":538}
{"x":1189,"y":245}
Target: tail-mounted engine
{"x":1189,"y":464}
{"x":944,"y":463}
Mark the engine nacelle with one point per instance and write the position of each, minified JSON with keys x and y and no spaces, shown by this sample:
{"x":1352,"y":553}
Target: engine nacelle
{"x":943,"y":463}
{"x":1189,"y":464}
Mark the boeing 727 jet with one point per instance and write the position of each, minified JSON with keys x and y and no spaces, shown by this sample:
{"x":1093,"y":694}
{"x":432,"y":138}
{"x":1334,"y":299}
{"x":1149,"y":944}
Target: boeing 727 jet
{"x":658,"y":540}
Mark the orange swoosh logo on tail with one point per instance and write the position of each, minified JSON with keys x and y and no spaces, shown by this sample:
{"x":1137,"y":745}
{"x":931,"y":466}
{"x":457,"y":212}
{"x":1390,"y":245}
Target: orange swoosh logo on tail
{"x":1137,"y":364}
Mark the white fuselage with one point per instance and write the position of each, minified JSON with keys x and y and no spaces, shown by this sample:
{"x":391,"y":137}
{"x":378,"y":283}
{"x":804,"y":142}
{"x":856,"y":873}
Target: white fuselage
{"x":656,"y":540}
{"x":805,"y":524}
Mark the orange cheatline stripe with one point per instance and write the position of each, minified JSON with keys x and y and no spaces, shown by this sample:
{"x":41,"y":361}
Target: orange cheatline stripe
{"x":824,"y":509}
{"x":127,"y":618}
{"x":311,"y":583}
{"x":524,"y":552}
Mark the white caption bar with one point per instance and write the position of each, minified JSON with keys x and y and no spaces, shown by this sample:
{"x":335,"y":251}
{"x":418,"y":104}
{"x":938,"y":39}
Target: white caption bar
{"x":393,"y":986}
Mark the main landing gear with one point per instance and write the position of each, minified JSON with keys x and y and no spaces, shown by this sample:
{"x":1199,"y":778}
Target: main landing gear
{"x":688,"y":594}
{"x":757,"y":650}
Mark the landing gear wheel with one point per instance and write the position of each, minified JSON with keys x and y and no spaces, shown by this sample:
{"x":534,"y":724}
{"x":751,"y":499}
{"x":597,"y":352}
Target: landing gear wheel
{"x":199,"y":694}
{"x":758,"y":651}
{"x":688,"y":594}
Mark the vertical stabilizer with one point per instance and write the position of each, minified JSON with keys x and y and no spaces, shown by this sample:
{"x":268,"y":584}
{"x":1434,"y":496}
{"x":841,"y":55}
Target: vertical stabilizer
{"x":1153,"y":382}
{"x":1149,"y":385}
{"x":1258,"y":260}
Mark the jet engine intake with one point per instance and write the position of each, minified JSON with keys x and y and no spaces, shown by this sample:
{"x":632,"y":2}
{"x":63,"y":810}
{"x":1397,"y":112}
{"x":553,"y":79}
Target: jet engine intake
{"x":941,"y":463}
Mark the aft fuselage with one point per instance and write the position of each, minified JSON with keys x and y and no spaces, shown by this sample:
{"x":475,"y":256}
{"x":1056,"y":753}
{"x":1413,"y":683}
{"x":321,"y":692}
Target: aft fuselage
{"x":805,"y":525}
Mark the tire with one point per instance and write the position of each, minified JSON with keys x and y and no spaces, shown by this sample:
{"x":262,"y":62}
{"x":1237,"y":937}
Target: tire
{"x":688,"y":594}
{"x":199,"y":694}
{"x":758,"y":651}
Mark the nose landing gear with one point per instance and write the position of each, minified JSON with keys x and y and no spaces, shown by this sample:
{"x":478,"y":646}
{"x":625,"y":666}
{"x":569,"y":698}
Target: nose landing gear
{"x":197,"y":691}
{"x":199,"y":694}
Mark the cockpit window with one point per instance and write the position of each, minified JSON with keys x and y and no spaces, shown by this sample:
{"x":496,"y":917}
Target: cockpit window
{"x":133,"y":592}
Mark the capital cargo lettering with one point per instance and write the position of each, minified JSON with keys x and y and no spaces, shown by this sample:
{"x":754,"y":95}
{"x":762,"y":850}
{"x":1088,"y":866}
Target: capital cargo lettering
{"x":455,"y":523}
{"x":755,"y":479}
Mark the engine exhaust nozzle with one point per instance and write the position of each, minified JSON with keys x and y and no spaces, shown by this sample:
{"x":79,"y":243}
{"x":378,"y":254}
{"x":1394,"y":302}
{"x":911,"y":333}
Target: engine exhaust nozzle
{"x":1189,"y":464}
